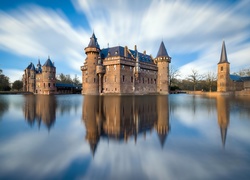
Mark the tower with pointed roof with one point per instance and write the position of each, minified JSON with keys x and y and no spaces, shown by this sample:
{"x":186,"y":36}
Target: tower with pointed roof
{"x":90,"y":79}
{"x":47,"y":86}
{"x":223,"y":71}
{"x":163,"y":59}
{"x":40,"y":80}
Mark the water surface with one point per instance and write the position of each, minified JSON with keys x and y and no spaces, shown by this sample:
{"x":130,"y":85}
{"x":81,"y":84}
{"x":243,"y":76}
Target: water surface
{"x":124,"y":137}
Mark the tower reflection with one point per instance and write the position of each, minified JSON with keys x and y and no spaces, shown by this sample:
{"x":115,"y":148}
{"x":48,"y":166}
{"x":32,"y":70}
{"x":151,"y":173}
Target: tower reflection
{"x":40,"y":108}
{"x":223,"y":116}
{"x":123,"y":117}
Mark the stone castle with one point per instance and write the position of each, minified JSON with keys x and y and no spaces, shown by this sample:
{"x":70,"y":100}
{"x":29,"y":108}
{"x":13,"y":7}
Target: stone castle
{"x":40,"y":80}
{"x":227,"y":82}
{"x":120,"y":70}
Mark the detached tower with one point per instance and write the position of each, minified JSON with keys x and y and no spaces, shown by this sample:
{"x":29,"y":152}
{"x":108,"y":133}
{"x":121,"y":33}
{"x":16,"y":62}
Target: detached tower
{"x":223,"y":78}
{"x":162,"y":59}
{"x":90,"y":82}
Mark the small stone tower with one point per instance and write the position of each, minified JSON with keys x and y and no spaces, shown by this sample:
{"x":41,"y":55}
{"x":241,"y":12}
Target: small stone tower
{"x":49,"y":80}
{"x":90,"y":82}
{"x":29,"y":78}
{"x":162,"y":59}
{"x":223,"y":71}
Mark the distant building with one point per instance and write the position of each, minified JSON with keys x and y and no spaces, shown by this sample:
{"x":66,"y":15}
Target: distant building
{"x":228,"y":82}
{"x":119,"y":70}
{"x":40,"y":80}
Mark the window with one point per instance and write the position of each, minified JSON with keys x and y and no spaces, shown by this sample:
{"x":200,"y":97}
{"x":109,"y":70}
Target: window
{"x":221,"y":68}
{"x":123,"y":67}
{"x":49,"y":84}
{"x":131,"y":78}
{"x":115,"y":78}
{"x":148,"y":80}
{"x":105,"y":79}
{"x":123,"y":78}
{"x":94,"y":80}
{"x":114,"y":67}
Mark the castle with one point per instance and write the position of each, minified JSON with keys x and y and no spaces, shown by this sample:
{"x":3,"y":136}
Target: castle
{"x":119,"y":70}
{"x":227,"y":82}
{"x":40,"y":80}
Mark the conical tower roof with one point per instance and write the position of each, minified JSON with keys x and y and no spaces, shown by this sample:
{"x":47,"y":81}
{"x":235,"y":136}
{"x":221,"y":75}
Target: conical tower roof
{"x":93,"y":42}
{"x":223,"y":56}
{"x":49,"y":63}
{"x":162,"y":52}
{"x":162,"y":138}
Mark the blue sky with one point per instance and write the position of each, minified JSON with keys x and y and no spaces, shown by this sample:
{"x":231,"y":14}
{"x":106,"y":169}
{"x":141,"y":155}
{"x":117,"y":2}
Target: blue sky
{"x":192,"y":31}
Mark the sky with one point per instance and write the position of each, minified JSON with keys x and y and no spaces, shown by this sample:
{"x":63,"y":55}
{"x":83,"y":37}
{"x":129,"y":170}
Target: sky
{"x":192,"y":31}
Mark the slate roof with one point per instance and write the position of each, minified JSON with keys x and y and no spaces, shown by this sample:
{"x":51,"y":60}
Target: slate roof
{"x":162,"y":52}
{"x":93,"y":42}
{"x":119,"y":51}
{"x":48,"y":63}
{"x":239,"y":78}
{"x":223,"y":56}
{"x":29,"y":66}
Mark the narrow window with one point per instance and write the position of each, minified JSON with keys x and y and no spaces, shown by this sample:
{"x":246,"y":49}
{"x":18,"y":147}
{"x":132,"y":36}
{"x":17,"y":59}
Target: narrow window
{"x":94,"y":80}
{"x":221,"y":68}
{"x":131,"y":78}
{"x":115,"y":78}
{"x":49,"y":84}
{"x":123,"y":78}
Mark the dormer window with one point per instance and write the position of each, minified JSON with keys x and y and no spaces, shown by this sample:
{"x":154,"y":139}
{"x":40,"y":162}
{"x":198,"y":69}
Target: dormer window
{"x":116,"y":52}
{"x":108,"y":53}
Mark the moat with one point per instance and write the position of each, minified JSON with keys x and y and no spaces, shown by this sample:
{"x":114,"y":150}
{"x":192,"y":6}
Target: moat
{"x":124,"y":137}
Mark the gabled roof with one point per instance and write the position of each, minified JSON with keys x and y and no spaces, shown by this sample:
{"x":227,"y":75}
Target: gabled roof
{"x":93,"y":42}
{"x":162,"y":52}
{"x":48,"y":63}
{"x":223,"y":56}
{"x":119,"y":51}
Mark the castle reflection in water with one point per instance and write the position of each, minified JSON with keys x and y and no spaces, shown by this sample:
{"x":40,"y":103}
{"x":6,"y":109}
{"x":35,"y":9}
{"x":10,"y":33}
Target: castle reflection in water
{"x":40,"y":108}
{"x":123,"y":117}
{"x":119,"y":117}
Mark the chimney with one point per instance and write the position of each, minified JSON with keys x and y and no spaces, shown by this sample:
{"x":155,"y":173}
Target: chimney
{"x":144,"y":52}
{"x":126,"y":51}
{"x":135,"y":47}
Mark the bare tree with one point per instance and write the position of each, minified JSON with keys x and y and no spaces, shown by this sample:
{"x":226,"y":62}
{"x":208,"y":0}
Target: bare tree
{"x":194,"y":77}
{"x":210,"y":78}
{"x":173,"y":74}
{"x":243,"y":72}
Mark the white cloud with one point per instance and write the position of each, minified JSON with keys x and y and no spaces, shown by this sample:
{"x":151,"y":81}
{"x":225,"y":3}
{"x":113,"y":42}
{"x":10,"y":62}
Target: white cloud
{"x":13,"y":74}
{"x":34,"y":32}
{"x":185,"y":27}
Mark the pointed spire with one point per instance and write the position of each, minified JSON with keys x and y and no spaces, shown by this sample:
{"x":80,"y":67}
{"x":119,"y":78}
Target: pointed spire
{"x":93,"y":42}
{"x":162,"y":51}
{"x":223,"y":56}
{"x":162,"y":137}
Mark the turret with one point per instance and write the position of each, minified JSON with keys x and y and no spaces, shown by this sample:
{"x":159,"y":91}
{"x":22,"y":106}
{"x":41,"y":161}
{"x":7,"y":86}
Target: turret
{"x":163,"y":59}
{"x":49,"y":80}
{"x":223,"y":71}
{"x":89,"y":75}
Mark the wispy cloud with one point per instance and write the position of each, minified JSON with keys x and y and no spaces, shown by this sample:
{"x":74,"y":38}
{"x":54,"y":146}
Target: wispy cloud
{"x":33,"y":32}
{"x":185,"y":27}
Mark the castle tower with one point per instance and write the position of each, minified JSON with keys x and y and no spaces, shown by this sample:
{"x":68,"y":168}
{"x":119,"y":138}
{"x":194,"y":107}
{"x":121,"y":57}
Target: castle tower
{"x":162,"y":59}
{"x":223,"y":71}
{"x":48,"y":78}
{"x":90,"y":80}
{"x":29,"y":78}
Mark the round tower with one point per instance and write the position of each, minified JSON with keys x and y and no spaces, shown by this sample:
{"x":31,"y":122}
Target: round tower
{"x":90,"y":80}
{"x":48,"y":78}
{"x":162,"y":59}
{"x":223,"y":72}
